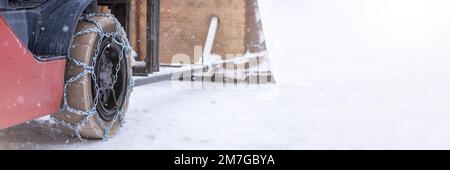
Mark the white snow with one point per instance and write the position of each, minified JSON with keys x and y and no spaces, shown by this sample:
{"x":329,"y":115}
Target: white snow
{"x":351,"y":74}
{"x":65,"y":28}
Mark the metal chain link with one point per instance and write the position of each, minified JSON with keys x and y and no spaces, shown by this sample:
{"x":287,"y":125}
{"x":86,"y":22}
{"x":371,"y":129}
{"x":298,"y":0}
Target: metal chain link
{"x":118,"y":37}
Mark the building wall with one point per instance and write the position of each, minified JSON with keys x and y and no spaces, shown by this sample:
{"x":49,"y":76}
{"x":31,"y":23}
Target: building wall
{"x":185,"y":24}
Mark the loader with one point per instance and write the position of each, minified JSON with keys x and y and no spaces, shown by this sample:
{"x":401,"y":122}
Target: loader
{"x":72,"y":59}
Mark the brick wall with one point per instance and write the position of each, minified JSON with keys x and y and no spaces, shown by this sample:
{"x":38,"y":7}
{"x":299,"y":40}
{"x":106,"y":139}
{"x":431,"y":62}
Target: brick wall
{"x":185,"y":24}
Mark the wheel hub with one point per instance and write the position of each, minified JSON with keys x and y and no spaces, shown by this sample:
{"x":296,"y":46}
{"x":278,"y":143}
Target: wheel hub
{"x":112,"y":83}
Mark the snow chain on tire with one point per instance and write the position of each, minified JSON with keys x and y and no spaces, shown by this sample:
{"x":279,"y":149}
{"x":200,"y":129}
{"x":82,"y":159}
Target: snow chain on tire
{"x":117,"y":37}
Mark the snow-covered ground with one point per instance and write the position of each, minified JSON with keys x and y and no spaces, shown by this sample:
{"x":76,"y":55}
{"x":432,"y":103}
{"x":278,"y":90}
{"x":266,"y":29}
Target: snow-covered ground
{"x":351,"y":74}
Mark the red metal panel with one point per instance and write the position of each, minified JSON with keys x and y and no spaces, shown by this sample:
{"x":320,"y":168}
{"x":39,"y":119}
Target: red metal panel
{"x":29,"y":89}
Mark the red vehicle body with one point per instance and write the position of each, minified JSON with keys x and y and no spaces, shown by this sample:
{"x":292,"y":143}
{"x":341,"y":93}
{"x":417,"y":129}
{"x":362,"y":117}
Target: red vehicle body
{"x":29,"y":88}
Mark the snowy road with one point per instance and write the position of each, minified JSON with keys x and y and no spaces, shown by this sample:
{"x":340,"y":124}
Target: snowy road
{"x":352,"y":74}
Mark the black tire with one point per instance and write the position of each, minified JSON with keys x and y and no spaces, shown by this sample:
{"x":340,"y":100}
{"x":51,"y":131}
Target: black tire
{"x":96,"y":92}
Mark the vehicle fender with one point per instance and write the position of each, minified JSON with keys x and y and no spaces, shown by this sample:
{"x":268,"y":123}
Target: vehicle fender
{"x":55,"y":37}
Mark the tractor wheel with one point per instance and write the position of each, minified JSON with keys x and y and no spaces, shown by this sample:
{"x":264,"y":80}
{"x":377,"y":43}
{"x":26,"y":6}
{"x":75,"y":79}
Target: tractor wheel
{"x":98,"y":79}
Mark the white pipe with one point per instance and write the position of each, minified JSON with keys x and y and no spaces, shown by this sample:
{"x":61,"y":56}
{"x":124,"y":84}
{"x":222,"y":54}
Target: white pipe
{"x":210,"y":38}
